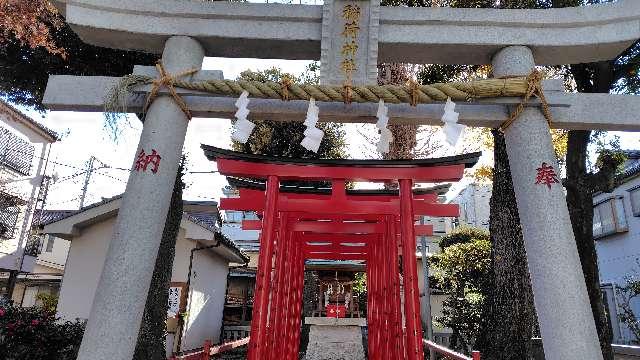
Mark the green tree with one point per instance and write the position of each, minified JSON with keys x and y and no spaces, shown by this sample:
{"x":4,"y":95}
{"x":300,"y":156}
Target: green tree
{"x":462,"y":271}
{"x":629,"y":293}
{"x":282,"y":138}
{"x":25,"y":65}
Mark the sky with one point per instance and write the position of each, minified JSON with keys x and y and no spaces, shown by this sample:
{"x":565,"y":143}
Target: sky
{"x":84,"y":136}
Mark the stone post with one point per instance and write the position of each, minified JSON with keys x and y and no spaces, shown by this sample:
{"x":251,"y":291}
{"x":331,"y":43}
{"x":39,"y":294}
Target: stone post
{"x":564,"y":313}
{"x":116,"y":313}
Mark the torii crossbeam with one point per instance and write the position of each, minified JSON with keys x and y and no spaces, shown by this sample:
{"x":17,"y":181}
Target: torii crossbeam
{"x":513,"y":41}
{"x":378,"y":229}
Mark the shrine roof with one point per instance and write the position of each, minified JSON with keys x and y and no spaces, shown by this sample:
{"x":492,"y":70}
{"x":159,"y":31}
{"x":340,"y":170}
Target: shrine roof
{"x":317,"y":188}
{"x":468,"y":160}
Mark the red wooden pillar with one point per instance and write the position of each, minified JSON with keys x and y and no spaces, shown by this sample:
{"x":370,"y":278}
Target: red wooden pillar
{"x":411,"y":296}
{"x":263,"y":279}
{"x":297,"y":320}
{"x":387,"y":295}
{"x":294,"y":302}
{"x":377,"y":302}
{"x":370,"y":325}
{"x":276,"y":311}
{"x":372,"y":292}
{"x":285,"y":302}
{"x":397,"y":308}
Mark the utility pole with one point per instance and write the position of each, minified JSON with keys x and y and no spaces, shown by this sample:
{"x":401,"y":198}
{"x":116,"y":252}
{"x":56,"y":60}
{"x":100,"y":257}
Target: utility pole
{"x":87,"y":177}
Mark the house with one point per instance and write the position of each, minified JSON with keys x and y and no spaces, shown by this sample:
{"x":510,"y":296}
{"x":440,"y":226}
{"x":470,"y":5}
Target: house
{"x":199,"y":275}
{"x":24,"y":150}
{"x":616,"y":229}
{"x":46,"y":276}
{"x":474,"y":205}
{"x":242,"y":279}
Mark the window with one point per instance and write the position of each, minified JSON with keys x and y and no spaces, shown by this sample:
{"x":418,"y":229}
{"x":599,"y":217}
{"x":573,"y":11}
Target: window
{"x":50,"y":242}
{"x":233,"y":216}
{"x":609,"y":217}
{"x":9,"y":211}
{"x":15,"y":153}
{"x":634,"y":194}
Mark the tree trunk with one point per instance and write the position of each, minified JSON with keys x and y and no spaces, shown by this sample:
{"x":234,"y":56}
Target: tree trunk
{"x":580,"y":203}
{"x":151,"y":344}
{"x":404,"y":135}
{"x":509,"y":315}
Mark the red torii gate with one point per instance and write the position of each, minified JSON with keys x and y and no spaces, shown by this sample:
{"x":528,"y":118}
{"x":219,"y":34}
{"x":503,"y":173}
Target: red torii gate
{"x":376,"y":228}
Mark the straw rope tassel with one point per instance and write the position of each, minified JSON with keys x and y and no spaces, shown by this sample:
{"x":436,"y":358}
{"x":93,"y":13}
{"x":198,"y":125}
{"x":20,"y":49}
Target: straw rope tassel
{"x":167,"y":80}
{"x":534,"y":88}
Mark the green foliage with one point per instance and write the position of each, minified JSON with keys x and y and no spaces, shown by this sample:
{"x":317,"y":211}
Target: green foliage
{"x":49,"y":302}
{"x":282,"y":138}
{"x":463,"y":235}
{"x":627,"y":294}
{"x":35,"y":334}
{"x":360,"y":284}
{"x":462,"y":271}
{"x":24,"y":71}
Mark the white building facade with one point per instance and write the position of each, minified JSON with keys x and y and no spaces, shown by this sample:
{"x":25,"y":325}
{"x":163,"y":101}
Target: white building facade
{"x":616,"y":229}
{"x":24,"y":149}
{"x":474,"y":205}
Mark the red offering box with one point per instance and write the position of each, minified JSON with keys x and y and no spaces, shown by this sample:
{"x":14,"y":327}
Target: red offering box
{"x":337,"y":311}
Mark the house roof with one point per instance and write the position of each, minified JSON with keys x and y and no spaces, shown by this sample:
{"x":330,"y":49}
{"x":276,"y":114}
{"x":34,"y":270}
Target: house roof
{"x":631,"y":167}
{"x":17,"y":115}
{"x":63,"y":224}
{"x":43,"y":217}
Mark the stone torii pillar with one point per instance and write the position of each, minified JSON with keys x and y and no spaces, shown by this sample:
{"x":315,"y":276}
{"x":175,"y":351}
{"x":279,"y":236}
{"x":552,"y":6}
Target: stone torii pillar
{"x":116,"y":313}
{"x":560,"y":294}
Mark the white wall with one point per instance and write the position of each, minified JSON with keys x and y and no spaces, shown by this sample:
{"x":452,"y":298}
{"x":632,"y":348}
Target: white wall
{"x":436,"y":300}
{"x":54,"y":259}
{"x":206,"y":299}
{"x":474,"y":205}
{"x":82,"y":271}
{"x":618,"y":254}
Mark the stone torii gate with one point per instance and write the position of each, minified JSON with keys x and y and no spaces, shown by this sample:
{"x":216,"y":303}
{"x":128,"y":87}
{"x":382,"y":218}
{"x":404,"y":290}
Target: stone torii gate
{"x":513,"y":41}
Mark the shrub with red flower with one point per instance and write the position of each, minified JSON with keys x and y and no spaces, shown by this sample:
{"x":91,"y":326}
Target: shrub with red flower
{"x":36,"y":334}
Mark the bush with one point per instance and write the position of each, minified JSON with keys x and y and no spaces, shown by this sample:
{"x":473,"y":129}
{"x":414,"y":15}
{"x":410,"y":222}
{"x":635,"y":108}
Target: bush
{"x":462,"y":270}
{"x":35,"y":333}
{"x":463,"y":235}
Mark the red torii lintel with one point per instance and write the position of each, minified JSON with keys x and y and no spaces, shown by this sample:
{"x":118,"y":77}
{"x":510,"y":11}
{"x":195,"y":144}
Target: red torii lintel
{"x":241,"y":168}
{"x":420,"y":230}
{"x":325,"y":204}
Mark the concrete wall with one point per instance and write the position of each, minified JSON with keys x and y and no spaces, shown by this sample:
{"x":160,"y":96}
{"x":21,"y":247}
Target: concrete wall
{"x":206,"y":300}
{"x":618,"y":254}
{"x":82,"y":271}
